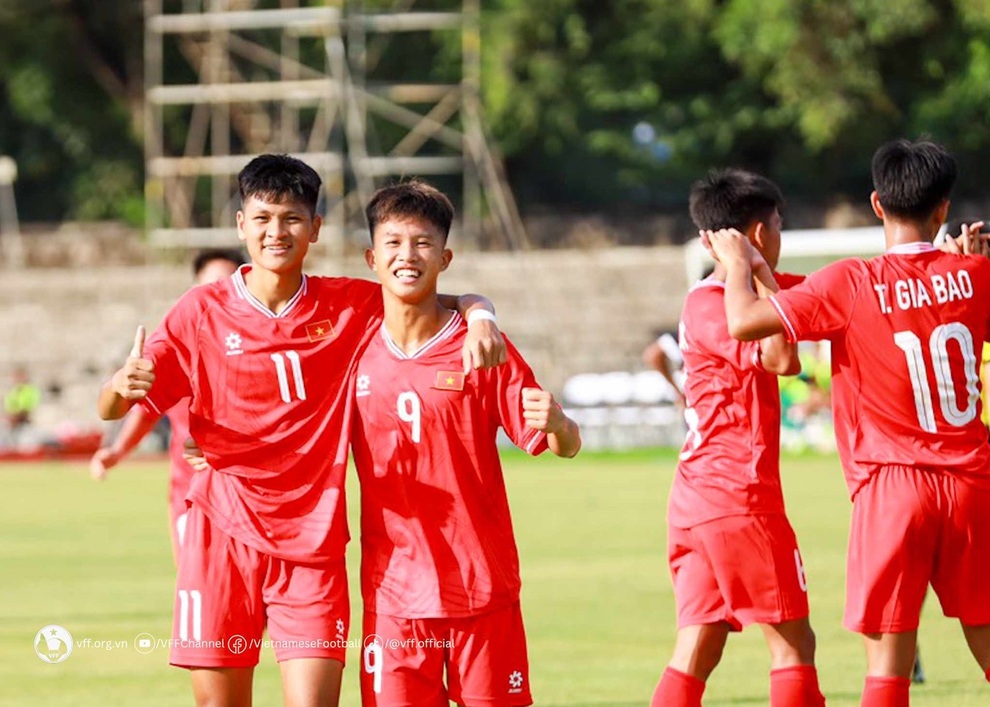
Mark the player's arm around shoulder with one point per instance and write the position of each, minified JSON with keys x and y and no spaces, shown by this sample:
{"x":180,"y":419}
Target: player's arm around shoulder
{"x":484,"y":346}
{"x":544,"y":414}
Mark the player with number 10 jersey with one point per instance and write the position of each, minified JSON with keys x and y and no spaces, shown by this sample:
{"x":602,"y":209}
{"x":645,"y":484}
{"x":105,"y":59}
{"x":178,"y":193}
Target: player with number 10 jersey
{"x":906,"y":329}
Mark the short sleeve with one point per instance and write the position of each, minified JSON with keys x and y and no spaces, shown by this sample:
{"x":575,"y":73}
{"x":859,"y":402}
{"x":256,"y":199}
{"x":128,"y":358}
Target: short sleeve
{"x":822,"y":305}
{"x":506,"y":384}
{"x":170,"y":348}
{"x":706,"y":331}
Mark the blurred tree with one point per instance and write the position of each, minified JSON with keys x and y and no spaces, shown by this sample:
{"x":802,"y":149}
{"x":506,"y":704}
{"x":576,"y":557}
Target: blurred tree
{"x":596,"y":105}
{"x":627,"y":101}
{"x":70,"y":109}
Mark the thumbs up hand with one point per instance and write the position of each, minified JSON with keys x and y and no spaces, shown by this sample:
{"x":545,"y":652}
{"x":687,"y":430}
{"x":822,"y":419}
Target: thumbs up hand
{"x":133,"y":380}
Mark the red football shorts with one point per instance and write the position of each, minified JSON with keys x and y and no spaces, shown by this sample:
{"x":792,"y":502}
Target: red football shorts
{"x":911,"y":527}
{"x":403,"y":661}
{"x":739,"y":569}
{"x":177,"y":525}
{"x":227,"y":592}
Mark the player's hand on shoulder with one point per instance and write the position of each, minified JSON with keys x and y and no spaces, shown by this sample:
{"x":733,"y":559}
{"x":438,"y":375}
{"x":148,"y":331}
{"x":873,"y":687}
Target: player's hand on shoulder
{"x":103,"y":461}
{"x":484,"y":346}
{"x":970,"y":241}
{"x":134,"y":379}
{"x":974,"y":240}
{"x":541,"y":411}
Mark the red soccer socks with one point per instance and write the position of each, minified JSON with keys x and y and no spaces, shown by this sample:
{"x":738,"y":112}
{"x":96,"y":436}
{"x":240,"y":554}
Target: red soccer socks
{"x":886,"y":692}
{"x":676,"y":689}
{"x":796,"y":686}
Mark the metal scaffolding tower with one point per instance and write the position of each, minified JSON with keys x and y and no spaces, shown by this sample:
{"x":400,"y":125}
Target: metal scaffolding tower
{"x":300,"y":77}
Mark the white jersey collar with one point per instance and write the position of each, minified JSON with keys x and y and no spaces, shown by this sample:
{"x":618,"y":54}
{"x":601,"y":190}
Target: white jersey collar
{"x":240,"y":286}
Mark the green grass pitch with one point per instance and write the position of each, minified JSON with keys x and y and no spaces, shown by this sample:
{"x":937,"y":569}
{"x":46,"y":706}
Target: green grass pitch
{"x":599,"y":611}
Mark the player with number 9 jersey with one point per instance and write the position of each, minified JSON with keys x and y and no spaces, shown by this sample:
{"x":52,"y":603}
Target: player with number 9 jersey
{"x":439,"y":565}
{"x":436,"y":534}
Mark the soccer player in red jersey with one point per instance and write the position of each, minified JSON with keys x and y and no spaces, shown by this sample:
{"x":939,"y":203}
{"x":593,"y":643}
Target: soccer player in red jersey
{"x":733,"y":556}
{"x":439,"y":566}
{"x":906,"y":329}
{"x":209,"y":266}
{"x":267,"y":359}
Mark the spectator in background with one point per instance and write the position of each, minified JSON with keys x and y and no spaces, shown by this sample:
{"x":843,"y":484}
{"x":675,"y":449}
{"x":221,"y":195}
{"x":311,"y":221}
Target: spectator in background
{"x":19,"y":405}
{"x":208,"y":266}
{"x":664,"y":355}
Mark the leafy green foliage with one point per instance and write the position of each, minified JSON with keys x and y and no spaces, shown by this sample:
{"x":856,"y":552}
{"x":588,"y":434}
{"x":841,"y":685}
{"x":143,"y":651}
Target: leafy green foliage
{"x":596,"y":105}
{"x":71,"y":96}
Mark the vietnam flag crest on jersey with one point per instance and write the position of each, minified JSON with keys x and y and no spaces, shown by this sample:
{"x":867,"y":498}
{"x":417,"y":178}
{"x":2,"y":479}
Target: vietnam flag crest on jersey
{"x":449,"y":380}
{"x":319,"y":330}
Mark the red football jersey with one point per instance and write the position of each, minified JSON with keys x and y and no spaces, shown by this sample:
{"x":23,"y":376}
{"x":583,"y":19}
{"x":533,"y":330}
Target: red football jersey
{"x":436,"y":535}
{"x":269,"y":405}
{"x":180,"y":474}
{"x":906,"y":329}
{"x":730,"y":462}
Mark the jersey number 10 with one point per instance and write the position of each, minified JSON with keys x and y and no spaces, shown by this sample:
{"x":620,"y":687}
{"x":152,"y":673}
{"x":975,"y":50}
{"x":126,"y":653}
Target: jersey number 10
{"x":910,"y":344}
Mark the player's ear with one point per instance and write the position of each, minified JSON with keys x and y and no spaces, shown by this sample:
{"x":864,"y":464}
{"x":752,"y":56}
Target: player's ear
{"x":369,"y":257}
{"x":317,"y":224}
{"x":445,"y":258}
{"x":240,"y":225}
{"x":757,"y":234}
{"x":877,"y":206}
{"x":942,"y":212}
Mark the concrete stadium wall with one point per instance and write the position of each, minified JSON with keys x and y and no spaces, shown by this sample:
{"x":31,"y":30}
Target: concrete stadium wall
{"x":568,"y":311}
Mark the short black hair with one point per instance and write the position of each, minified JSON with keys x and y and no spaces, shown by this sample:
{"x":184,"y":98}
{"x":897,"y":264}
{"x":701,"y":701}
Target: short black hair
{"x":208,"y":255}
{"x":913,"y":178}
{"x":733,"y":198}
{"x":410,"y":199}
{"x":279,"y":178}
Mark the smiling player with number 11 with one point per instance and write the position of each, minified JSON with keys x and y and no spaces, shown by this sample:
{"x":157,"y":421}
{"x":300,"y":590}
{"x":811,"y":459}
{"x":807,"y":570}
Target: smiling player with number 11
{"x":267,"y":358}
